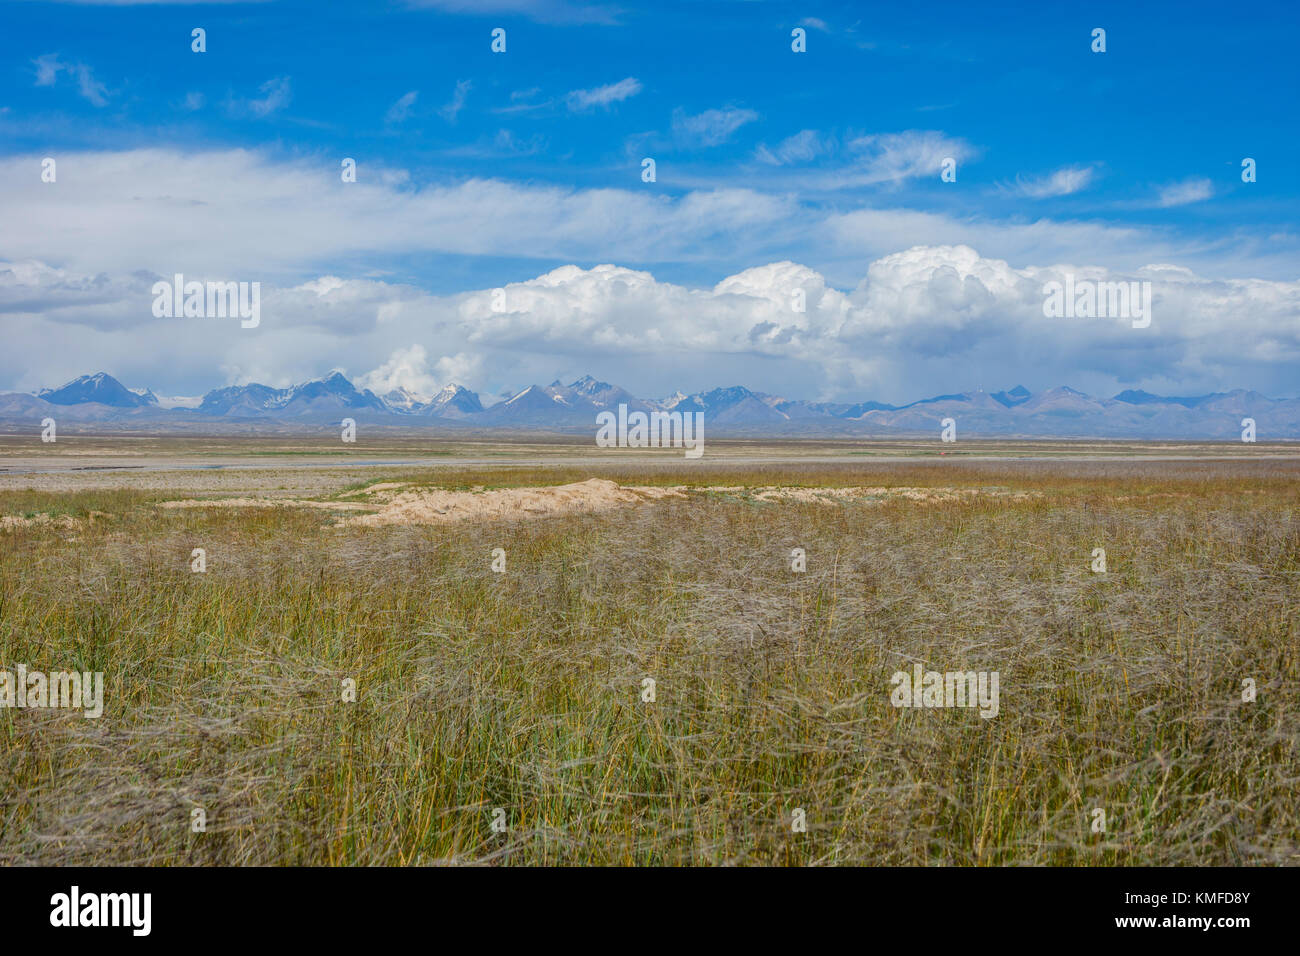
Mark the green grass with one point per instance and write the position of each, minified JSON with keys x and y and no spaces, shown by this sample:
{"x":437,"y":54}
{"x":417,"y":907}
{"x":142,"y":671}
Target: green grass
{"x":522,"y":691}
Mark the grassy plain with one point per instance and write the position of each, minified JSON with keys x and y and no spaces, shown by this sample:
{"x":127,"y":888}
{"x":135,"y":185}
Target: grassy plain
{"x":523,"y":690}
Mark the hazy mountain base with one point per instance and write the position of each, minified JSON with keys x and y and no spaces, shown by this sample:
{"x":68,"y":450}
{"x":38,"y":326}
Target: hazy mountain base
{"x":522,"y":691}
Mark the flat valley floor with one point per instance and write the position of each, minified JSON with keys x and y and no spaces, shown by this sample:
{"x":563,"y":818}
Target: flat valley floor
{"x":419,"y":651}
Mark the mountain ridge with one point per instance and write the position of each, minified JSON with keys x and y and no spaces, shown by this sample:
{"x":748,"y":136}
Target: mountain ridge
{"x":1054,"y":412}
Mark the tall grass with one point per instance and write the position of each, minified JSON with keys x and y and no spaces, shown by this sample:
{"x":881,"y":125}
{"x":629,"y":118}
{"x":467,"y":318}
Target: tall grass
{"x":522,"y":691}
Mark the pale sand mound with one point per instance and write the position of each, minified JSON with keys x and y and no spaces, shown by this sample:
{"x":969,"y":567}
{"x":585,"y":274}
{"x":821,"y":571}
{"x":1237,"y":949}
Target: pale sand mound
{"x":433,"y":506}
{"x":388,"y":504}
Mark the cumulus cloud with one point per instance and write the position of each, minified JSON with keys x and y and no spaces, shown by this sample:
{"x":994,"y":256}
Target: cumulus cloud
{"x":919,"y":321}
{"x":878,"y":321}
{"x":406,"y":368}
{"x":581,"y":100}
{"x":459,"y":369}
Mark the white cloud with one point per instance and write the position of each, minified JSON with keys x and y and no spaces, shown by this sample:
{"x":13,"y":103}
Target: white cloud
{"x":250,"y":215}
{"x":453,"y":106}
{"x":856,"y":160}
{"x":1187,"y":191}
{"x":892,"y":157}
{"x":710,"y":128}
{"x":247,"y":216}
{"x":458,"y":369}
{"x":804,"y":146}
{"x":401,"y":109}
{"x":406,"y":368}
{"x":524,"y":101}
{"x":277,"y":94}
{"x":1063,"y":182}
{"x":506,"y":142}
{"x":920,"y":321}
{"x":49,"y":66}
{"x":580,"y":100}
{"x":47,"y":69}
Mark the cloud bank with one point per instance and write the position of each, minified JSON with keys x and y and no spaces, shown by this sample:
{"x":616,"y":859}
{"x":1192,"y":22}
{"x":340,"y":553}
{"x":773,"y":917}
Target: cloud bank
{"x":923,"y":320}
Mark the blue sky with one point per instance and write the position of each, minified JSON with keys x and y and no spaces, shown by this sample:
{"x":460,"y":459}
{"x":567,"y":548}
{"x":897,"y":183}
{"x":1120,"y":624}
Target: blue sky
{"x":480,"y":170}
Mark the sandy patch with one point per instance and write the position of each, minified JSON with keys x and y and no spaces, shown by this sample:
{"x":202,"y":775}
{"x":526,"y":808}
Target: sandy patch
{"x":831,"y":496}
{"x":391,"y":503}
{"x":43,"y":520}
{"x":433,"y":506}
{"x":12,"y":522}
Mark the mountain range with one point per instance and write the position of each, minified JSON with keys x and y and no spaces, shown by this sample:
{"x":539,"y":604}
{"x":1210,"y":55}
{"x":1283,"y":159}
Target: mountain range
{"x":1055,"y":412}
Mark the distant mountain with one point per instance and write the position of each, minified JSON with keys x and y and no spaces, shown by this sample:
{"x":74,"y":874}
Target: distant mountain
{"x":1139,"y":397}
{"x":600,"y":394}
{"x":100,"y":388}
{"x":329,"y":396}
{"x":242,"y":400}
{"x":538,"y":406}
{"x":794,"y":410}
{"x":737,"y":405}
{"x":576,"y":404}
{"x":322,"y":398}
{"x":1061,"y":401}
{"x":455,"y":401}
{"x":1054,"y":412}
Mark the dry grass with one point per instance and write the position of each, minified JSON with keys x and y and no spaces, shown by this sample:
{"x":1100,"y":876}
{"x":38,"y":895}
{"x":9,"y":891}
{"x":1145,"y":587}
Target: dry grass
{"x":523,"y":690}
